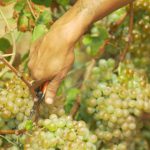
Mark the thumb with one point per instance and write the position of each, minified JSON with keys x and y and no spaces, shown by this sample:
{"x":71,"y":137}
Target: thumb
{"x":54,"y":84}
{"x":52,"y":89}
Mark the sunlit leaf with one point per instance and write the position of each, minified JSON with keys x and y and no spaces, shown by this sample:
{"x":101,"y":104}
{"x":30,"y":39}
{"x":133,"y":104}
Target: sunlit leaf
{"x":38,"y":31}
{"x":29,"y":125}
{"x":20,"y":5}
{"x":87,"y":40}
{"x":44,"y":18}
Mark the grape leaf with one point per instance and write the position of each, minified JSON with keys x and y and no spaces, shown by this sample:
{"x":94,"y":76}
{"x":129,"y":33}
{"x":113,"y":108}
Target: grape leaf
{"x":38,"y":31}
{"x":4,"y":44}
{"x":43,"y":2}
{"x":87,"y":39}
{"x":93,"y":42}
{"x":19,"y":5}
{"x":63,"y":2}
{"x":116,"y":15}
{"x":44,"y":18}
{"x":29,"y":125}
{"x":95,"y":45}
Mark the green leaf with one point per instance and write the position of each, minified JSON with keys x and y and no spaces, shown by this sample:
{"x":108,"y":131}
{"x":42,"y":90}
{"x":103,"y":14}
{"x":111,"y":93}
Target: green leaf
{"x":29,"y":125}
{"x":95,"y":40}
{"x":103,"y":33}
{"x":71,"y":97}
{"x":38,"y":31}
{"x":4,"y":44}
{"x":43,"y":2}
{"x":44,"y":18}
{"x":27,"y":13}
{"x":63,"y":2}
{"x":116,"y":15}
{"x":20,"y":5}
{"x":87,"y":39}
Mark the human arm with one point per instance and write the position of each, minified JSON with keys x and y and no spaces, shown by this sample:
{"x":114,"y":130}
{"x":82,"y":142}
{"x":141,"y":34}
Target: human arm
{"x":52,"y":56}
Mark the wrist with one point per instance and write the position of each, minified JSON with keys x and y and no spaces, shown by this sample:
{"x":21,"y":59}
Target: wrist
{"x":76,"y":21}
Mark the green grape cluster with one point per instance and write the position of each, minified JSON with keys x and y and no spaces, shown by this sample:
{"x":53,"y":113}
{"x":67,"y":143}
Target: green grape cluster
{"x":139,"y":143}
{"x":139,"y":48}
{"x":61,"y":133}
{"x":142,"y":5}
{"x":141,"y":35}
{"x":117,"y":99}
{"x":15,"y":103}
{"x":141,"y":30}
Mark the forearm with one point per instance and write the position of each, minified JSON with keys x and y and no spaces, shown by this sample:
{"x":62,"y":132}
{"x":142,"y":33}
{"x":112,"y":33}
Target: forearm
{"x":85,"y":12}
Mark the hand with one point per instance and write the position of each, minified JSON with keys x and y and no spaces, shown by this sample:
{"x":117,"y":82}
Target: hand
{"x":50,"y":58}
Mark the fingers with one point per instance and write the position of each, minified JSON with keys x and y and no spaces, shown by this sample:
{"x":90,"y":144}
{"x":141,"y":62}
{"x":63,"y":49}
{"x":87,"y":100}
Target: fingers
{"x":52,"y":89}
{"x":54,"y":84}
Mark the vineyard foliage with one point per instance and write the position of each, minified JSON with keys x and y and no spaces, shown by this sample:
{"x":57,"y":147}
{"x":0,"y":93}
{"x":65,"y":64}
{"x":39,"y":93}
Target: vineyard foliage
{"x":102,"y":104}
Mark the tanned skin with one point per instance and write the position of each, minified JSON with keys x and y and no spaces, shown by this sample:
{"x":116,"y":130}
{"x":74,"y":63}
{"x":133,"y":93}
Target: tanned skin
{"x":52,"y":56}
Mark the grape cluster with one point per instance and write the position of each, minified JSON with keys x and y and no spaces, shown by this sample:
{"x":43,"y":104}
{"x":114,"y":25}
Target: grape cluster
{"x":15,"y":103}
{"x":141,"y":31}
{"x":139,"y":48}
{"x":141,"y":35}
{"x":142,"y":5}
{"x":139,"y":143}
{"x":61,"y":133}
{"x":117,"y":99}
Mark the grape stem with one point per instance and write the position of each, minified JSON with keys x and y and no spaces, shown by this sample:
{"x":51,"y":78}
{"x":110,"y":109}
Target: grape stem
{"x":118,"y":23}
{"x":113,"y":28}
{"x":17,"y":132}
{"x":9,"y":141}
{"x":7,"y":55}
{"x":31,"y":9}
{"x":146,"y":117}
{"x":8,"y":32}
{"x":123,"y":54}
{"x":13,"y":42}
{"x":76,"y":106}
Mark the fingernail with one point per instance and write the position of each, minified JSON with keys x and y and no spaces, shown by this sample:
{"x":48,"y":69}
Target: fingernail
{"x":49,"y":100}
{"x":35,"y":99}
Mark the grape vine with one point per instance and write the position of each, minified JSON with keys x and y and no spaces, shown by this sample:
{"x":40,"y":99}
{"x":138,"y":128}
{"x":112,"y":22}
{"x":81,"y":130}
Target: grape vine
{"x":103,"y":103}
